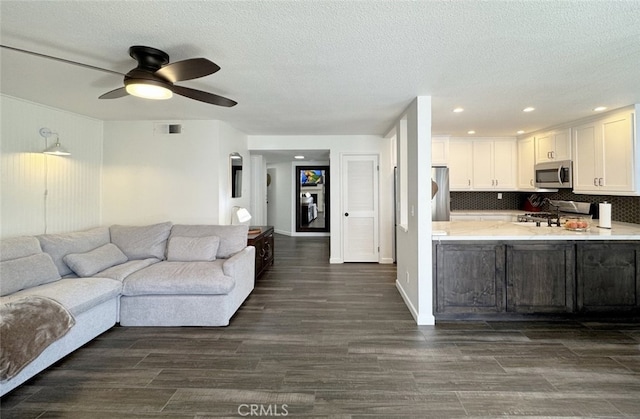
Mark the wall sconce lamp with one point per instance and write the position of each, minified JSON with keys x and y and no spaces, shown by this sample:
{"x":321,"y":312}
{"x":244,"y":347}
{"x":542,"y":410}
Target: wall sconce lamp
{"x":240,"y":215}
{"x":56,"y":149}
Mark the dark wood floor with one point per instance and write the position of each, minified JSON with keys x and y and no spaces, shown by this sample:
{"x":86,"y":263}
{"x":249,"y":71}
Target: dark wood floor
{"x":320,"y":340}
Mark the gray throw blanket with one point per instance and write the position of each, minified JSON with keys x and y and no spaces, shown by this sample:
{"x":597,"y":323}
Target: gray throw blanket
{"x":27,"y":327}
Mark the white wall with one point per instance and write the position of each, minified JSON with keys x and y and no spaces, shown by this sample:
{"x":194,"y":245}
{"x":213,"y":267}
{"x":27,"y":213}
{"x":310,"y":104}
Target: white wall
{"x":231,"y":140}
{"x":281,"y":205}
{"x":152,"y":176}
{"x":414,"y":252}
{"x":258,"y":191}
{"x":338,"y":145}
{"x":73,"y":182}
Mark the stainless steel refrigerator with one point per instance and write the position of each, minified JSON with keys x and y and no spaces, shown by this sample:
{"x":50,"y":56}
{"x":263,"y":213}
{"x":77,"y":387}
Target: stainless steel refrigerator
{"x":440,"y":203}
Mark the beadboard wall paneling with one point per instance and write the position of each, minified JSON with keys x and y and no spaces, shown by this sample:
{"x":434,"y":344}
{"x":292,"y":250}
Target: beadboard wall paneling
{"x":73,"y":201}
{"x":625,"y":209}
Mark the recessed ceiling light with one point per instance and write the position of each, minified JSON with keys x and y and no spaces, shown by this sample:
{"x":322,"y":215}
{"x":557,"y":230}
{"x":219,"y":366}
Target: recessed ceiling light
{"x":529,"y":109}
{"x":458,"y":110}
{"x":471,"y":132}
{"x":520,"y":132}
{"x":600,"y":108}
{"x":298,"y":157}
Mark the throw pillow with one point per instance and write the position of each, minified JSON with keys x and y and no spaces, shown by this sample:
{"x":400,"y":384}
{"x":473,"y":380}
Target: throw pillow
{"x":60,"y":245}
{"x":233,"y":238}
{"x":192,"y":249}
{"x":141,"y":242}
{"x":27,"y":272}
{"x":97,"y":260}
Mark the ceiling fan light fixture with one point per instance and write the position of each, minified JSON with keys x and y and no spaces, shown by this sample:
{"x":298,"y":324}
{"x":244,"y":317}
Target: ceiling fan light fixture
{"x":147,"y":89}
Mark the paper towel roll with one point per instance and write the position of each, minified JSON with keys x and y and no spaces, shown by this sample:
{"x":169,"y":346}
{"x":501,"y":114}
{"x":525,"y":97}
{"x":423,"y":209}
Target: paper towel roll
{"x":605,"y":215}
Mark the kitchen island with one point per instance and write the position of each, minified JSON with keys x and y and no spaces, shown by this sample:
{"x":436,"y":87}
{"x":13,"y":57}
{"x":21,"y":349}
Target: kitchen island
{"x":513,"y":270}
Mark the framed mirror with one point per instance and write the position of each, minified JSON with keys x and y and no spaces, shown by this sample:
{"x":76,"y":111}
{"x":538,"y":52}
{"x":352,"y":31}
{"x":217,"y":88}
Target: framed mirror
{"x":312,"y":198}
{"x":235,"y":163}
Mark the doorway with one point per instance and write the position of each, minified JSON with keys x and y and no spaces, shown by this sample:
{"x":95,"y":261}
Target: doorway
{"x":360,"y":222}
{"x":312,"y":198}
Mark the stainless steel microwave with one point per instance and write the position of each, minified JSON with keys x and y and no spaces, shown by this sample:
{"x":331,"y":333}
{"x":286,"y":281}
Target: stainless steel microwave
{"x":554,"y":174}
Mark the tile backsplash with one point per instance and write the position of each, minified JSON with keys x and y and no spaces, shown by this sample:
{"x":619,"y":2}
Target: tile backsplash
{"x":623,"y":208}
{"x":486,"y":200}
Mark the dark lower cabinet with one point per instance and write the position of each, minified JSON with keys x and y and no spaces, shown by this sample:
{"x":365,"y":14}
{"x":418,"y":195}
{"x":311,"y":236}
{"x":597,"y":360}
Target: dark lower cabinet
{"x":469,"y":279}
{"x":263,"y":242}
{"x":540,"y":278}
{"x":477,"y":279}
{"x":608,"y":277}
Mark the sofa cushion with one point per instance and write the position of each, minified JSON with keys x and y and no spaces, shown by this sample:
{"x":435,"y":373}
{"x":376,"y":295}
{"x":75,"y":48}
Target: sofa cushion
{"x":60,"y":245}
{"x":96,"y":260}
{"x":179,"y":278}
{"x":19,"y":247}
{"x":27,"y":272}
{"x":233,"y":238}
{"x":120,"y":272}
{"x":76,"y":294}
{"x":141,"y":242}
{"x":192,"y":249}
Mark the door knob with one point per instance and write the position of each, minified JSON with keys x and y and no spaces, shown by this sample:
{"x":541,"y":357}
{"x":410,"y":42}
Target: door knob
{"x":346,"y":214}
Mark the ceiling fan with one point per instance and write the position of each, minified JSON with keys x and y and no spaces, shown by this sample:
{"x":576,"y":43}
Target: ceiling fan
{"x":154,"y":77}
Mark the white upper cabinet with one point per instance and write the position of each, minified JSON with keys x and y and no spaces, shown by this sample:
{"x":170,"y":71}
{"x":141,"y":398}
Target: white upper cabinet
{"x":553,"y":145}
{"x":460,"y":164}
{"x":526,"y":164}
{"x":439,"y":151}
{"x":505,"y":164}
{"x":483,"y":164}
{"x":605,"y":156}
{"x":494,"y":164}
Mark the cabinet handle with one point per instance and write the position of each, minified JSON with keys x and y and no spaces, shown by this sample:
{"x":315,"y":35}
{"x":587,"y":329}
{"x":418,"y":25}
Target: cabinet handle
{"x":553,"y":154}
{"x":267,"y":250}
{"x":496,"y":182}
{"x":469,"y":180}
{"x":595,"y":181}
{"x":531,"y":182}
{"x":493,"y":182}
{"x":600,"y":183}
{"x":548,"y":154}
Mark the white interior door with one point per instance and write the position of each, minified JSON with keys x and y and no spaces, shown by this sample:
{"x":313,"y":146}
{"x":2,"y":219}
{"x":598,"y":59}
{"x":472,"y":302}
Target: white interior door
{"x":360,"y":208}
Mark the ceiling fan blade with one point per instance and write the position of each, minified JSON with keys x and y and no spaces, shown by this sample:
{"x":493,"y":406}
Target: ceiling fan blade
{"x":187,"y":69}
{"x":115,"y":94}
{"x":37,"y":54}
{"x":203,"y":96}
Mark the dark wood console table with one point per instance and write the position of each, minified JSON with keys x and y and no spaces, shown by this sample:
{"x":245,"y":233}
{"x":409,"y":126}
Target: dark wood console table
{"x":263,"y":242}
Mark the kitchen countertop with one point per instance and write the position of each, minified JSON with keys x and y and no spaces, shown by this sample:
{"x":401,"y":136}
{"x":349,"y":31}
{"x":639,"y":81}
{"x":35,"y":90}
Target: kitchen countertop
{"x":507,"y":230}
{"x":488,"y":212}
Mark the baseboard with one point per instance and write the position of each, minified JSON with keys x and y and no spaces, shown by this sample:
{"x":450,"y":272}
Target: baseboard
{"x":306,"y":234}
{"x":407,"y":301}
{"x":387,"y":261}
{"x":336,"y":260}
{"x":421,"y":320}
{"x":283,"y":232}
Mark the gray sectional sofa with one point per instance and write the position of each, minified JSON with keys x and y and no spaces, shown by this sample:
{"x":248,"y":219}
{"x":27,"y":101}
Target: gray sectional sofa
{"x":60,"y":291}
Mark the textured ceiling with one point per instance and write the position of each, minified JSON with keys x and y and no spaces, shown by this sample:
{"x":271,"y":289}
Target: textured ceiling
{"x":337,"y":67}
